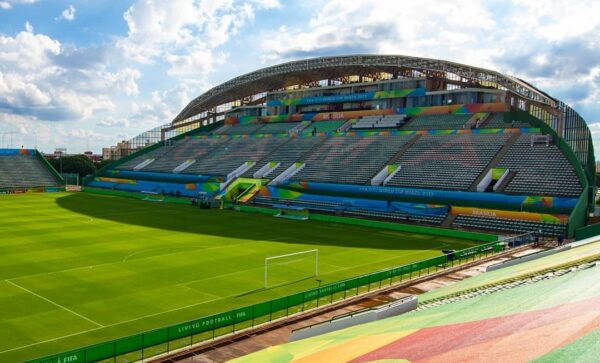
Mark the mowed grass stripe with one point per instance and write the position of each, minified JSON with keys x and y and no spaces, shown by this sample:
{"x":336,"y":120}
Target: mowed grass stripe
{"x":135,"y":266}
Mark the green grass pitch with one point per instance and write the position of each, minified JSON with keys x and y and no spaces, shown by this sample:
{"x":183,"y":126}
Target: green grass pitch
{"x":77,"y":269}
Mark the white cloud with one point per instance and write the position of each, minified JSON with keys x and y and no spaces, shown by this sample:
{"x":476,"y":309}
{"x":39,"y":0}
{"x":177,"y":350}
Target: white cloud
{"x":110,"y":121}
{"x":427,"y":28}
{"x":185,"y":34}
{"x":7,"y":4}
{"x":68,"y":14}
{"x":58,"y":83}
{"x":162,"y":106}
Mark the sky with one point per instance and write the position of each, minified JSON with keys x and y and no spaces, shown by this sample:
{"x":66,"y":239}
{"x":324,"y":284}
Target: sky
{"x":86,"y":74}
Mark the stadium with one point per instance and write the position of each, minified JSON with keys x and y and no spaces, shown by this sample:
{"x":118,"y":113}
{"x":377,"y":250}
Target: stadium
{"x":289,"y":192}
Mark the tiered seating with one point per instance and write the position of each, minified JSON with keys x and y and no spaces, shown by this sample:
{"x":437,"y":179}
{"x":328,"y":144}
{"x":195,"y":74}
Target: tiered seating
{"x":437,"y":122}
{"x":182,"y":151}
{"x":241,"y":129}
{"x":541,"y":170}
{"x":230,"y":155}
{"x":22,"y":171}
{"x":350,"y":159}
{"x":154,"y":154}
{"x":294,"y":150}
{"x":450,"y":162}
{"x":379,"y":122}
{"x":276,"y":128}
{"x":331,"y":207}
{"x":324,"y":126}
{"x":497,"y":122}
{"x":508,"y":225}
{"x":310,"y":204}
{"x":396,"y":216}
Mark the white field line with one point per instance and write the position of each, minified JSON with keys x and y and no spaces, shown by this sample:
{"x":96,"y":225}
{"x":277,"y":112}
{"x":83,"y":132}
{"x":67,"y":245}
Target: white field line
{"x":54,"y":303}
{"x":117,"y":324}
{"x":163,"y":312}
{"x":129,"y":256}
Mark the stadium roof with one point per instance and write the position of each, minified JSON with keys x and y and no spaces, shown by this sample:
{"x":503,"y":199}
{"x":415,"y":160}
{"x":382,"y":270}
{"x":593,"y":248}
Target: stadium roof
{"x":316,"y":69}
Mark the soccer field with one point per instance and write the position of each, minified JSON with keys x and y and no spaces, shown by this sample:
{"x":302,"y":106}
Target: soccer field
{"x":77,"y":269}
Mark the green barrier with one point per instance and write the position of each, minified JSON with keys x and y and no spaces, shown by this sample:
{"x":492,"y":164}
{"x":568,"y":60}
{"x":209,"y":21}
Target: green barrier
{"x":587,"y":232}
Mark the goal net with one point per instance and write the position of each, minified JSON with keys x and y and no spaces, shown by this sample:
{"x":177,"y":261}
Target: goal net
{"x":292,"y":267}
{"x":153,"y":196}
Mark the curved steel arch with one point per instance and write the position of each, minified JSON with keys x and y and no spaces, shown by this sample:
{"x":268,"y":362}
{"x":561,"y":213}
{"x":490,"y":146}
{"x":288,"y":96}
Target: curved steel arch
{"x":315,"y":69}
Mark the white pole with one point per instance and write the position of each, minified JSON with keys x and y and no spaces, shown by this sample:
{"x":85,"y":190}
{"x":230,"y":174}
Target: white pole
{"x":266,"y":266}
{"x":317,"y":263}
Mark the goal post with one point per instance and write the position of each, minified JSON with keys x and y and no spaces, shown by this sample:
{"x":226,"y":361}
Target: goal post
{"x":152,"y":196}
{"x":296,"y":266}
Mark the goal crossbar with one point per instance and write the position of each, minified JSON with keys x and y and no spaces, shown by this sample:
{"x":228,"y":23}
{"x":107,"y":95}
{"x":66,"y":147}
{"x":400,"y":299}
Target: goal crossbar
{"x":267,"y":259}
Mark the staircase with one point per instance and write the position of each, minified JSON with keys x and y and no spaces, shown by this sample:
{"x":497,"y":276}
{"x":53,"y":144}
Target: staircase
{"x":499,"y":155}
{"x":397,"y":155}
{"x":299,"y":128}
{"x":347,"y":125}
{"x":485,"y":121}
{"x":403,"y":149}
{"x":448,"y":220}
{"x":221,"y":129}
{"x":506,"y":181}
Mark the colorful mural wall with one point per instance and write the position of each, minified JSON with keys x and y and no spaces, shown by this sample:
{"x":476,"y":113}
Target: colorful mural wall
{"x":350,"y":97}
{"x":448,"y":197}
{"x":378,"y":133}
{"x":12,"y":152}
{"x":411,"y":111}
{"x":166,"y":177}
{"x":347,"y":203}
{"x":131,"y":185}
{"x":496,"y":213}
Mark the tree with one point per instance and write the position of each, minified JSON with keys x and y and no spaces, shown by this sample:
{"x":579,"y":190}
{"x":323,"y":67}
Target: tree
{"x":103,"y":163}
{"x":76,"y":164}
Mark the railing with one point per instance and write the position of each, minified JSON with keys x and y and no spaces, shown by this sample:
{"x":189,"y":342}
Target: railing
{"x":160,"y":341}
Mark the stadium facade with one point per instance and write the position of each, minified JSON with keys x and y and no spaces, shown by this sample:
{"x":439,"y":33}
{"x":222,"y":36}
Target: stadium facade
{"x":404,"y":139}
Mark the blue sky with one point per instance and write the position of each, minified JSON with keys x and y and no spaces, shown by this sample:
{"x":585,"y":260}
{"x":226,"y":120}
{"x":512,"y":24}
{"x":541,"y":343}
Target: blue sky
{"x":87,"y":74}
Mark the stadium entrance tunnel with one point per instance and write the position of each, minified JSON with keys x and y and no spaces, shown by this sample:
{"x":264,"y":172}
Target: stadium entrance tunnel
{"x":243,"y":226}
{"x":241,"y":190}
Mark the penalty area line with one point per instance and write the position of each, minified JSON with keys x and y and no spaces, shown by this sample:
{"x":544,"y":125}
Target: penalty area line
{"x":55,"y":304}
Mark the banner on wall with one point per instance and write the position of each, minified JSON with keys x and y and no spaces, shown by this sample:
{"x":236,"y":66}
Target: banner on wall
{"x":184,"y":189}
{"x":450,"y":197}
{"x":348,"y":203}
{"x":496,"y":213}
{"x":350,"y":97}
{"x":11,"y":152}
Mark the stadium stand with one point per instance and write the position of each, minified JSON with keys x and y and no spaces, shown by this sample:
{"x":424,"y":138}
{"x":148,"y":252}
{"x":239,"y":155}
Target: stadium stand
{"x":496,"y":121}
{"x":241,"y":129}
{"x":225,"y":158}
{"x":324,"y":126}
{"x":540,"y":170}
{"x":24,"y":171}
{"x":437,"y":122}
{"x":433,"y":161}
{"x":350,"y":159}
{"x":294,"y":151}
{"x":379,"y":122}
{"x":382,"y":140}
{"x":276,"y":128}
{"x":508,"y":225}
